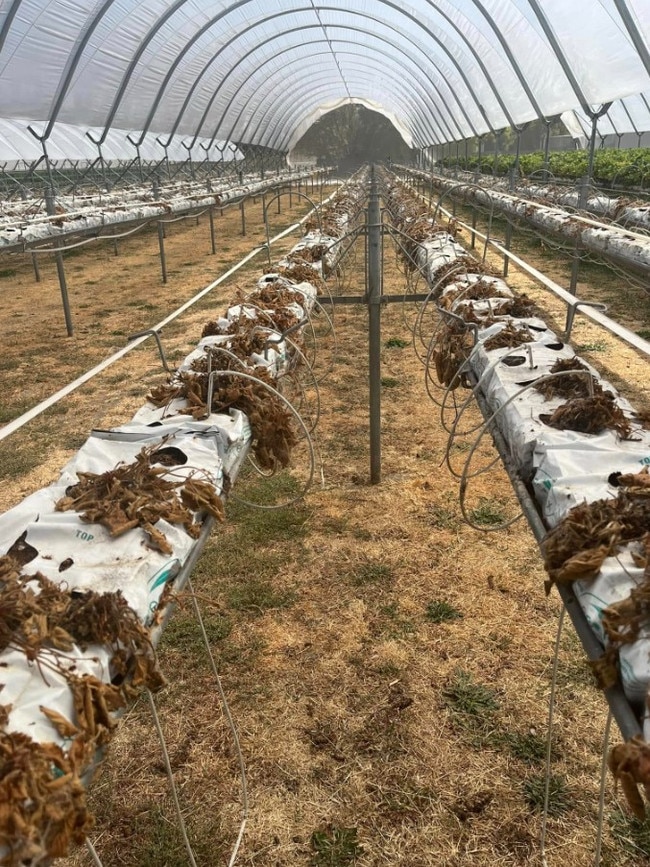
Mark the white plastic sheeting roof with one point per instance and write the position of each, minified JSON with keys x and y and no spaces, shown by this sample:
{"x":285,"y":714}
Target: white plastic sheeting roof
{"x":254,"y":71}
{"x":628,"y":115}
{"x":71,"y":143}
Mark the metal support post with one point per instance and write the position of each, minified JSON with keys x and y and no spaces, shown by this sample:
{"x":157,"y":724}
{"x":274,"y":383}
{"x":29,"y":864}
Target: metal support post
{"x":547,"y":147}
{"x":161,"y":246}
{"x":60,"y":267}
{"x":290,"y":194}
{"x":37,"y":270}
{"x":242,"y":208}
{"x":373,"y":290}
{"x":279,"y":200}
{"x":573,"y":287}
{"x":508,"y":238}
{"x":213,"y":242}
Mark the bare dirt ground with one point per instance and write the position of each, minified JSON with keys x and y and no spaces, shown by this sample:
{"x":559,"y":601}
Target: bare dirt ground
{"x":388,"y":667}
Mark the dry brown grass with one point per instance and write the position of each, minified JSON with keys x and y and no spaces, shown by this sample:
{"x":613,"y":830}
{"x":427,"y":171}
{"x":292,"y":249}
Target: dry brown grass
{"x":355,"y":709}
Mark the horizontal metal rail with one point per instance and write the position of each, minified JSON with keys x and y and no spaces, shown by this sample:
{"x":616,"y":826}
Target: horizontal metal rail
{"x":584,"y":307}
{"x":94,"y":232}
{"x":40,"y":408}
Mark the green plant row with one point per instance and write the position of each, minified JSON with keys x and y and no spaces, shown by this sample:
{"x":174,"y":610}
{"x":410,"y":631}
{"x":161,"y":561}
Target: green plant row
{"x":630,"y":167}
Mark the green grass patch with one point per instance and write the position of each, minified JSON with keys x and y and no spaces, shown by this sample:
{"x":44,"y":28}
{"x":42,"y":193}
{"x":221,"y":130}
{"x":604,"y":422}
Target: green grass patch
{"x":488,"y":513}
{"x":17,"y":460}
{"x":396,"y":343}
{"x":594,"y":346}
{"x":183,"y":633}
{"x":559,"y":798}
{"x":9,"y":363}
{"x":142,"y":305}
{"x":468,"y":699}
{"x":156,"y":839}
{"x":73,"y":441}
{"x":335,"y":847}
{"x":440,"y":611}
{"x":525,"y":746}
{"x":393,"y":624}
{"x":7,"y":272}
{"x":443,"y":518}
{"x":632,"y":835}
{"x":257,"y":595}
{"x":371,"y":573}
{"x":644,"y":333}
{"x":8,"y":413}
{"x":280,"y":488}
{"x":389,"y":382}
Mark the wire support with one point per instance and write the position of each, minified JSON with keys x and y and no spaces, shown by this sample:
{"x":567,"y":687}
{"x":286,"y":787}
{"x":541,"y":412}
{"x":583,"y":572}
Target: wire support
{"x":549,"y":738}
{"x":233,"y":729}
{"x":601,"y":793}
{"x":215,"y":374}
{"x":170,"y":777}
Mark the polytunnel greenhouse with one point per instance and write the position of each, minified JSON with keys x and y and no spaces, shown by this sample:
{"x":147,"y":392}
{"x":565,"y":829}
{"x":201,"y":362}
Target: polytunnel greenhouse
{"x":325,"y":433}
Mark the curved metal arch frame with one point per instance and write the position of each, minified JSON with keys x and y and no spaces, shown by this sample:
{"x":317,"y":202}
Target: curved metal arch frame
{"x":491,"y":84}
{"x":635,"y":35}
{"x":372,"y":35}
{"x":6,"y":27}
{"x":512,"y":60}
{"x":297,"y":92}
{"x":206,"y":27}
{"x":256,"y":70}
{"x":326,"y":88}
{"x":443,"y":121}
{"x":278,"y":140}
{"x":344,"y":27}
{"x":92,"y":22}
{"x":559,"y":53}
{"x":91,"y":25}
{"x":427,"y":127}
{"x":352,"y":42}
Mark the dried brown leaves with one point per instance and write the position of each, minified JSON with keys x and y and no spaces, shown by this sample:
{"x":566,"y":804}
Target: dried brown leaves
{"x":571,"y":384}
{"x":630,"y":765}
{"x":42,"y":799}
{"x":510,"y":336}
{"x":477,"y":291}
{"x":590,"y":415}
{"x":303,"y":273}
{"x":136,"y":495}
{"x":271,"y":421}
{"x":577,"y":546}
{"x":451,"y":351}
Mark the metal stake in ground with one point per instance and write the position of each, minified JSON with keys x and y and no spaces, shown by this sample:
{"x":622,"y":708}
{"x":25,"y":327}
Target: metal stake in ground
{"x":373,"y":293}
{"x":60,"y":267}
